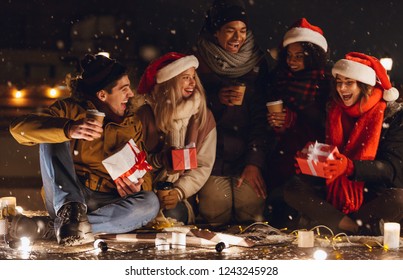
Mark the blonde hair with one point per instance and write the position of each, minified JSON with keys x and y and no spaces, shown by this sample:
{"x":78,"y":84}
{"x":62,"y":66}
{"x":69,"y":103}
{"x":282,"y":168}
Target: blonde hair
{"x":166,"y":96}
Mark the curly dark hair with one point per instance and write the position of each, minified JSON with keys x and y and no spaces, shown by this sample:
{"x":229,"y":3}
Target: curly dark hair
{"x":77,"y":91}
{"x":314,"y":56}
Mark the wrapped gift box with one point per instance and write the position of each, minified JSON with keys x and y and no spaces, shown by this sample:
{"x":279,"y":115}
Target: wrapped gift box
{"x":129,"y":162}
{"x":184,"y":159}
{"x":313,"y":157}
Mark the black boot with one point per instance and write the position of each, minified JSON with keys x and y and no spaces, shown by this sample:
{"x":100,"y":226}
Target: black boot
{"x":36,"y":227}
{"x":72,"y":226}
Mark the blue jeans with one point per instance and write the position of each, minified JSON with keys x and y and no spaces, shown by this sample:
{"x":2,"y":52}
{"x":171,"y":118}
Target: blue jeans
{"x":107,"y":212}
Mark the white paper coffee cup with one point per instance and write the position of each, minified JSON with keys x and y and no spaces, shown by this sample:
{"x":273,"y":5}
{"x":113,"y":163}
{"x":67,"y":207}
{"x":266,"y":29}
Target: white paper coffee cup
{"x":275,"y":106}
{"x":95,"y":114}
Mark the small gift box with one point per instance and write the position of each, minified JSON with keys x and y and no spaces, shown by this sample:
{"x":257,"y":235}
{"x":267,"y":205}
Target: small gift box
{"x":129,"y":162}
{"x":314,"y":156}
{"x":185,"y":158}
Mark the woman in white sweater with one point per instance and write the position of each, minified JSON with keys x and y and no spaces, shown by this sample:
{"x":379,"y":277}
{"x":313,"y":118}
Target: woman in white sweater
{"x":175,"y":115}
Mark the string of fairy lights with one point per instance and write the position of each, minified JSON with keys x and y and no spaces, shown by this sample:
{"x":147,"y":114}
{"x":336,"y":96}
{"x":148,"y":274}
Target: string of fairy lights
{"x":24,"y":247}
{"x":21,"y":93}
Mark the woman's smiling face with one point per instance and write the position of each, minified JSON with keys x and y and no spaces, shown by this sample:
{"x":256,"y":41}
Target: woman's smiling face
{"x":347,"y":89}
{"x":295,"y":57}
{"x":187,"y":82}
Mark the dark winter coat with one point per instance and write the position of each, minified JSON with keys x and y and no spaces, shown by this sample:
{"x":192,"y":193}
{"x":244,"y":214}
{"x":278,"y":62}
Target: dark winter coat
{"x":386,"y":171}
{"x":241,"y":130}
{"x":306,"y":121}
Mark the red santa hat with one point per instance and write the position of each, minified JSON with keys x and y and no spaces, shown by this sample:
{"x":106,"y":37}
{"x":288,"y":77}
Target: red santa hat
{"x":368,"y":70}
{"x":165,"y":68}
{"x":303,"y":31}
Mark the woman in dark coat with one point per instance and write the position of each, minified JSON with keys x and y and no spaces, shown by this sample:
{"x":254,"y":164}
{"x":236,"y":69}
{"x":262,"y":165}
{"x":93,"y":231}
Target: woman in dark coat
{"x":302,"y":81}
{"x":364,"y":182}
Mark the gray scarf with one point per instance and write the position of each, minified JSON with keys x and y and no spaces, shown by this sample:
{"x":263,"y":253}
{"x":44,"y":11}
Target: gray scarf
{"x":231,"y":65}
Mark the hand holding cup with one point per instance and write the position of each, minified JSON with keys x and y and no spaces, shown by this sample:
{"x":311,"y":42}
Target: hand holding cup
{"x":275,"y":115}
{"x":96,"y":115}
{"x":232,"y":94}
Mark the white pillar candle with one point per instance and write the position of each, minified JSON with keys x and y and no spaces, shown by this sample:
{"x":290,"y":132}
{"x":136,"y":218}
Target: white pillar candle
{"x":391,"y":236}
{"x":3,"y":228}
{"x":7,"y":205}
{"x":178,"y":240}
{"x":161,"y":243}
{"x":305,"y":239}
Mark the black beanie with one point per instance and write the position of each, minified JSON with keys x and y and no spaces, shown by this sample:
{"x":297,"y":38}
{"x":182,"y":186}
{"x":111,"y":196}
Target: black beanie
{"x":224,"y":11}
{"x":99,"y":71}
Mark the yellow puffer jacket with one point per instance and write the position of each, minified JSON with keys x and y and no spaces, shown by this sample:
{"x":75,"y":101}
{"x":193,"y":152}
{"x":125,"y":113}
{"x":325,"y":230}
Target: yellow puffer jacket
{"x":48,"y":126}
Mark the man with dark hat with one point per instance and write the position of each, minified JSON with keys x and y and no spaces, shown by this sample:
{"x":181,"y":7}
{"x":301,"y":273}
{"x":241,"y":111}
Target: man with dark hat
{"x":80,"y":195}
{"x":232,"y":70}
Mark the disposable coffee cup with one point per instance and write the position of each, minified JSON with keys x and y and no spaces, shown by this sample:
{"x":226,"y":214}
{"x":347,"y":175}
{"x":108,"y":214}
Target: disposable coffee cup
{"x":163,"y":188}
{"x":240,"y":89}
{"x":275,"y":106}
{"x":95,"y":114}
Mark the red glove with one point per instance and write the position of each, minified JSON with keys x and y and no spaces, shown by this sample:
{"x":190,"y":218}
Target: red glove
{"x":340,"y":165}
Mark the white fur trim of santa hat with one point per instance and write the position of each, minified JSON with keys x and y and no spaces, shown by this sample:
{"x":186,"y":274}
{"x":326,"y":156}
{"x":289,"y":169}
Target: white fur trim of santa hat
{"x":301,"y":34}
{"x":176,"y":67}
{"x":354,"y":70}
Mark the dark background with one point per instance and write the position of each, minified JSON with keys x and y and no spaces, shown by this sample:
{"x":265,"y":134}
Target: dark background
{"x":72,"y":27}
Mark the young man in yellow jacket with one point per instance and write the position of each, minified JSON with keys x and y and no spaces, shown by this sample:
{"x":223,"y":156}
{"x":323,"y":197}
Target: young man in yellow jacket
{"x":80,"y":195}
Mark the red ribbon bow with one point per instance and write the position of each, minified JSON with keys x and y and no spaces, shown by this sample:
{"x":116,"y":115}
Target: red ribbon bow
{"x":141,"y":164}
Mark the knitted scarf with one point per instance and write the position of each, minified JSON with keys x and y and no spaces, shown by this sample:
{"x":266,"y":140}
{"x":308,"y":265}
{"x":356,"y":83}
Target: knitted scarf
{"x":180,"y":119}
{"x":361,"y":144}
{"x":231,"y":65}
{"x":298,"y":88}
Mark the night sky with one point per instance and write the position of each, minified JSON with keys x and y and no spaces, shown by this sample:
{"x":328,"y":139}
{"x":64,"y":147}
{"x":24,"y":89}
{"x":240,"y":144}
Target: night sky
{"x":367,"y":26}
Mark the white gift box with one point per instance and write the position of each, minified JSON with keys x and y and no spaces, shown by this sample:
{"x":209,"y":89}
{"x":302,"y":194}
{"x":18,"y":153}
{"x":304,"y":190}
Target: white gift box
{"x":128,"y":162}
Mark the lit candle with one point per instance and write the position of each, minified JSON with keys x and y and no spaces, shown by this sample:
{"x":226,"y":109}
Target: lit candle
{"x":7,"y":206}
{"x":305,"y":239}
{"x":391,"y":236}
{"x":178,"y":240}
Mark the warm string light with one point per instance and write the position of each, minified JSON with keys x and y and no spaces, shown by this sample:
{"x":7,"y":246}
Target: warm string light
{"x":101,"y":246}
{"x":53,"y":93}
{"x":18,"y":94}
{"x":320,"y":255}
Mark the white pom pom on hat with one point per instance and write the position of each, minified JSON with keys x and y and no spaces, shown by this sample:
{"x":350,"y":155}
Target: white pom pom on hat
{"x":368,"y":70}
